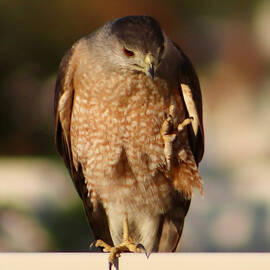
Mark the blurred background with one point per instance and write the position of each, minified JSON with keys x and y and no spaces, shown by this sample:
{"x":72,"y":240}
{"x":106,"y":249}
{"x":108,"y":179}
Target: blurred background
{"x":229,"y":45}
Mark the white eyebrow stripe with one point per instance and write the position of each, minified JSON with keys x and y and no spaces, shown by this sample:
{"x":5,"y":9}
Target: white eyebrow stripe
{"x":191,"y":107}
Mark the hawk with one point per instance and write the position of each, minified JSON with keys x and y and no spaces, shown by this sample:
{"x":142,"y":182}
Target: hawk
{"x":128,"y":124}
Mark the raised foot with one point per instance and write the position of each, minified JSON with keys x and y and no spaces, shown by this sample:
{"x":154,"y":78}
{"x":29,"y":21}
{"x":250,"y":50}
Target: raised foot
{"x":169,"y":133}
{"x":186,"y":122}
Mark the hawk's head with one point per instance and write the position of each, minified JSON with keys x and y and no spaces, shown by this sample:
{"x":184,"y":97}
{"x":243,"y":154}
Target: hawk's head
{"x":137,"y":43}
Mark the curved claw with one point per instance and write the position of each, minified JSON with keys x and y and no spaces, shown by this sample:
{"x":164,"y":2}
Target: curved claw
{"x":126,"y":246}
{"x":141,"y":248}
{"x":93,"y":244}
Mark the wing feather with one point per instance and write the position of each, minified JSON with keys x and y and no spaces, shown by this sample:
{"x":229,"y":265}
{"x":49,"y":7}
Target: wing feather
{"x":186,"y":175}
{"x":190,"y":91}
{"x":63,"y":104}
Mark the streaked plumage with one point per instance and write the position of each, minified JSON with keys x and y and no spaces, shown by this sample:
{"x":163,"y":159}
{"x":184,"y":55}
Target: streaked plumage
{"x":109,"y":113}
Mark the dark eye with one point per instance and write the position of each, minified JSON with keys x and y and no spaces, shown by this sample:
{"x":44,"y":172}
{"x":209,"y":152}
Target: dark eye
{"x":128,"y":52}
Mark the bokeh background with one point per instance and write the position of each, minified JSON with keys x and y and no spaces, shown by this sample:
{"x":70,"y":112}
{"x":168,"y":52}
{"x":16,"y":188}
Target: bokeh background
{"x":229,"y":44}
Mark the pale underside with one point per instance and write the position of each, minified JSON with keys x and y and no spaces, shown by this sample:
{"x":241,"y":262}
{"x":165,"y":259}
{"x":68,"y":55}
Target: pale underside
{"x":115,"y":136}
{"x":118,"y":132}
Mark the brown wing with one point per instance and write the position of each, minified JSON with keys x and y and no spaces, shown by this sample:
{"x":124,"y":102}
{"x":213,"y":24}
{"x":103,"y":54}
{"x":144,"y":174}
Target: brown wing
{"x":63,"y":104}
{"x":172,"y":224}
{"x":190,"y":92}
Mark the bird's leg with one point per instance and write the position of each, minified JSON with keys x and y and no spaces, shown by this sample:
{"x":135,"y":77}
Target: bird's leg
{"x":127,"y":245}
{"x":169,"y":133}
{"x":167,"y":136}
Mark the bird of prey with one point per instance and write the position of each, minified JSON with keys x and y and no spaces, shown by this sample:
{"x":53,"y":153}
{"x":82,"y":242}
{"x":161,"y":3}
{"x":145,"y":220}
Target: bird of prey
{"x":128,"y":115}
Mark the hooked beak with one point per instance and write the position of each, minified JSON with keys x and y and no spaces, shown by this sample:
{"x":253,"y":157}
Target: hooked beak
{"x":149,"y":65}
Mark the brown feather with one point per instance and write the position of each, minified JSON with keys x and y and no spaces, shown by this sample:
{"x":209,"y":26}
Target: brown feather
{"x":184,"y":172}
{"x":172,"y":224}
{"x":63,"y":103}
{"x":105,"y":154}
{"x":189,"y":77}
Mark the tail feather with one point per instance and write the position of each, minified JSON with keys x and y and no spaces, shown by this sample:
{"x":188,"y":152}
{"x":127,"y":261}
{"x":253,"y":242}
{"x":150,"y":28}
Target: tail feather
{"x":172,"y":224}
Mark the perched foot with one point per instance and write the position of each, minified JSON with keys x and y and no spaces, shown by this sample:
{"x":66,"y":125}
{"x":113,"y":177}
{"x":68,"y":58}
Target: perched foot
{"x":116,"y":251}
{"x":169,"y":133}
{"x":126,"y":246}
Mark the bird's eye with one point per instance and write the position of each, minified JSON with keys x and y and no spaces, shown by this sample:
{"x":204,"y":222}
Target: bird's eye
{"x":128,"y":52}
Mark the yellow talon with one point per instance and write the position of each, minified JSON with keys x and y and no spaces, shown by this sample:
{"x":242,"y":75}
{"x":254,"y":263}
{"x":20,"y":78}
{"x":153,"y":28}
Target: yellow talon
{"x":169,"y":133}
{"x":172,"y":110}
{"x":126,"y":246}
{"x":186,"y":122}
